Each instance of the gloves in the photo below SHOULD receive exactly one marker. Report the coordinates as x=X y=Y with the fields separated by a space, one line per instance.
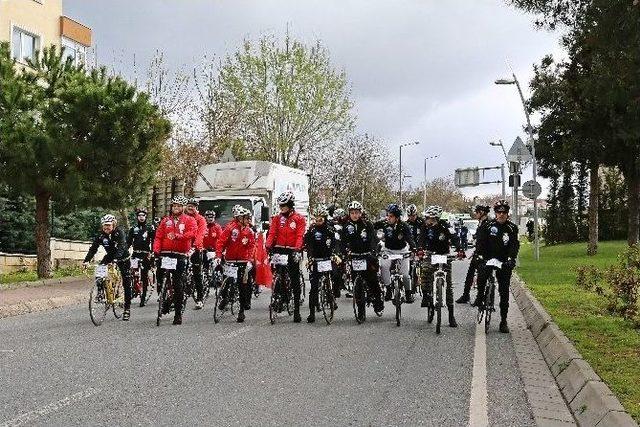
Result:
x=249 y=266
x=337 y=260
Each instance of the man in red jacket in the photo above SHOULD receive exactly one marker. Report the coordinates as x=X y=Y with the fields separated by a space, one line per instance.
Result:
x=174 y=240
x=196 y=257
x=237 y=244
x=214 y=231
x=286 y=235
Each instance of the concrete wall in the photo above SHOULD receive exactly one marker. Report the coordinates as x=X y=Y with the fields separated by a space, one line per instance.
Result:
x=10 y=263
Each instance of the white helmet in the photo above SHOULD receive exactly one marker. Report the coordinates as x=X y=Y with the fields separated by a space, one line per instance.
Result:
x=108 y=219
x=321 y=210
x=355 y=206
x=339 y=213
x=412 y=210
x=237 y=211
x=432 y=212
x=286 y=198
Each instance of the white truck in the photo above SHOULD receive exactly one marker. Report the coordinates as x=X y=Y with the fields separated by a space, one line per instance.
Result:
x=252 y=184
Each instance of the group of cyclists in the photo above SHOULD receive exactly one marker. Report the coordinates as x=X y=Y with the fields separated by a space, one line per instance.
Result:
x=186 y=239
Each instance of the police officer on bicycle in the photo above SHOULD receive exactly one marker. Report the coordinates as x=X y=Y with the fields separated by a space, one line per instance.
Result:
x=481 y=213
x=140 y=238
x=500 y=241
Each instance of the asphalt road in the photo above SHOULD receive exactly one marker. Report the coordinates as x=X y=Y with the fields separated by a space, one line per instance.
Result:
x=56 y=368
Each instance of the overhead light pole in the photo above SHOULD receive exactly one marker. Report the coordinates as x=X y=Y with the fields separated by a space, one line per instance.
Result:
x=532 y=145
x=424 y=197
x=500 y=144
x=401 y=147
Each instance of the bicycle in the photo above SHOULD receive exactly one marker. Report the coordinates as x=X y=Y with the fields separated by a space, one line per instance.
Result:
x=189 y=288
x=168 y=266
x=415 y=272
x=138 y=285
x=356 y=269
x=229 y=291
x=213 y=276
x=399 y=296
x=326 y=299
x=106 y=294
x=439 y=283
x=487 y=307
x=282 y=293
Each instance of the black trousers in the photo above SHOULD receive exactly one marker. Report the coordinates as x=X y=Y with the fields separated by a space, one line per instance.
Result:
x=196 y=266
x=145 y=266
x=125 y=270
x=294 y=275
x=503 y=277
x=471 y=271
x=244 y=291
x=373 y=286
x=178 y=278
x=427 y=282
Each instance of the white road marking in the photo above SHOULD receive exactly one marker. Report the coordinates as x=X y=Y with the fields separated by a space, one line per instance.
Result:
x=478 y=415
x=50 y=408
x=6 y=351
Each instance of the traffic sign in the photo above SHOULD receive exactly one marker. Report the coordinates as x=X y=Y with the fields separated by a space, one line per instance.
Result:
x=531 y=189
x=519 y=152
x=469 y=177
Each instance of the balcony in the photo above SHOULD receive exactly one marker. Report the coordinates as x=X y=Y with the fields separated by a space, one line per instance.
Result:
x=75 y=31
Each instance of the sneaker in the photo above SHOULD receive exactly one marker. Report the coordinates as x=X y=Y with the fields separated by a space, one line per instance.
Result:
x=240 y=317
x=464 y=299
x=426 y=301
x=177 y=320
x=388 y=294
x=378 y=306
x=503 y=327
x=296 y=317
x=222 y=305
x=142 y=303
x=409 y=299
x=452 y=320
x=311 y=317
x=126 y=315
x=362 y=316
x=199 y=305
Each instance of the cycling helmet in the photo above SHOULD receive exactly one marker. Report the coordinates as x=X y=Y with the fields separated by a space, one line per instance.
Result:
x=141 y=210
x=412 y=210
x=439 y=210
x=482 y=208
x=179 y=200
x=236 y=211
x=193 y=201
x=431 y=212
x=394 y=210
x=108 y=219
x=321 y=210
x=210 y=214
x=339 y=213
x=286 y=198
x=246 y=212
x=355 y=206
x=501 y=206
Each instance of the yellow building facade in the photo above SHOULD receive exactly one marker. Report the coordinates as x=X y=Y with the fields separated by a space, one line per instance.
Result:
x=31 y=25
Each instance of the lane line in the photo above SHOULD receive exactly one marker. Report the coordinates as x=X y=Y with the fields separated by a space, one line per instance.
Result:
x=478 y=414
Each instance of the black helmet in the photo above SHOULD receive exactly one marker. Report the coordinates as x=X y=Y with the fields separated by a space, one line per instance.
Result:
x=501 y=206
x=210 y=214
x=482 y=208
x=394 y=210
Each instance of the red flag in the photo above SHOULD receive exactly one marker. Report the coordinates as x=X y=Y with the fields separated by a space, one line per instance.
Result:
x=263 y=268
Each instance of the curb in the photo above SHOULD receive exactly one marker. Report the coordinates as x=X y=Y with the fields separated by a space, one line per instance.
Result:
x=41 y=305
x=45 y=282
x=590 y=400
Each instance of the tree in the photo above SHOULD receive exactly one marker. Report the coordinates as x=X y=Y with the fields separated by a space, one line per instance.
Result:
x=75 y=137
x=286 y=99
x=442 y=192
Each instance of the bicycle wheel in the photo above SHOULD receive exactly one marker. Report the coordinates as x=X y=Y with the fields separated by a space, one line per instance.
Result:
x=216 y=314
x=303 y=287
x=439 y=287
x=234 y=297
x=98 y=306
x=397 y=300
x=488 y=304
x=326 y=298
x=163 y=296
x=289 y=292
x=118 y=302
x=357 y=290
x=275 y=300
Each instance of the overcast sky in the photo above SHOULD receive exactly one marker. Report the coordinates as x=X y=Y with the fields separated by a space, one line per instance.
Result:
x=420 y=70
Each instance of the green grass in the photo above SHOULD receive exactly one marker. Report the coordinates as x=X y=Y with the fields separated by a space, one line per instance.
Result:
x=30 y=276
x=610 y=344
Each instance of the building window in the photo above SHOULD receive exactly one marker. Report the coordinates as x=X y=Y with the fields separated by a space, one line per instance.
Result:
x=24 y=45
x=75 y=51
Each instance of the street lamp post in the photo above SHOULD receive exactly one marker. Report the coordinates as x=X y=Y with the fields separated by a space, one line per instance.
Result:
x=533 y=155
x=424 y=197
x=401 y=147
x=499 y=144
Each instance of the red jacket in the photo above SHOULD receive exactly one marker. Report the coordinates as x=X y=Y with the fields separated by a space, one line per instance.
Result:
x=237 y=242
x=184 y=228
x=202 y=230
x=214 y=231
x=286 y=231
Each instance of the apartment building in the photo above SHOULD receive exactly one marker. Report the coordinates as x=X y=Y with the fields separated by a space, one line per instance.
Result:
x=31 y=25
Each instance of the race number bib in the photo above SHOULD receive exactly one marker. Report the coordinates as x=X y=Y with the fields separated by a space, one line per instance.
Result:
x=324 y=266
x=438 y=259
x=169 y=263
x=494 y=263
x=230 y=271
x=211 y=255
x=101 y=271
x=135 y=262
x=280 y=259
x=359 y=264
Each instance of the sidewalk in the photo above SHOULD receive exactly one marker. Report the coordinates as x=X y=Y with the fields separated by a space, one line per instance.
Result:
x=43 y=295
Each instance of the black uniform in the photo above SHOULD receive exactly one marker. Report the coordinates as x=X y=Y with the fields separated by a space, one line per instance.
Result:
x=416 y=230
x=498 y=241
x=320 y=243
x=117 y=250
x=358 y=237
x=436 y=239
x=140 y=239
x=473 y=264
x=396 y=236
x=340 y=270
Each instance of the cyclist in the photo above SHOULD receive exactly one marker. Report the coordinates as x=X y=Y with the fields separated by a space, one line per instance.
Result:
x=481 y=213
x=499 y=240
x=320 y=242
x=196 y=257
x=358 y=236
x=237 y=245
x=436 y=239
x=114 y=242
x=339 y=219
x=414 y=222
x=286 y=234
x=140 y=238
x=173 y=239
x=214 y=231
x=397 y=240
